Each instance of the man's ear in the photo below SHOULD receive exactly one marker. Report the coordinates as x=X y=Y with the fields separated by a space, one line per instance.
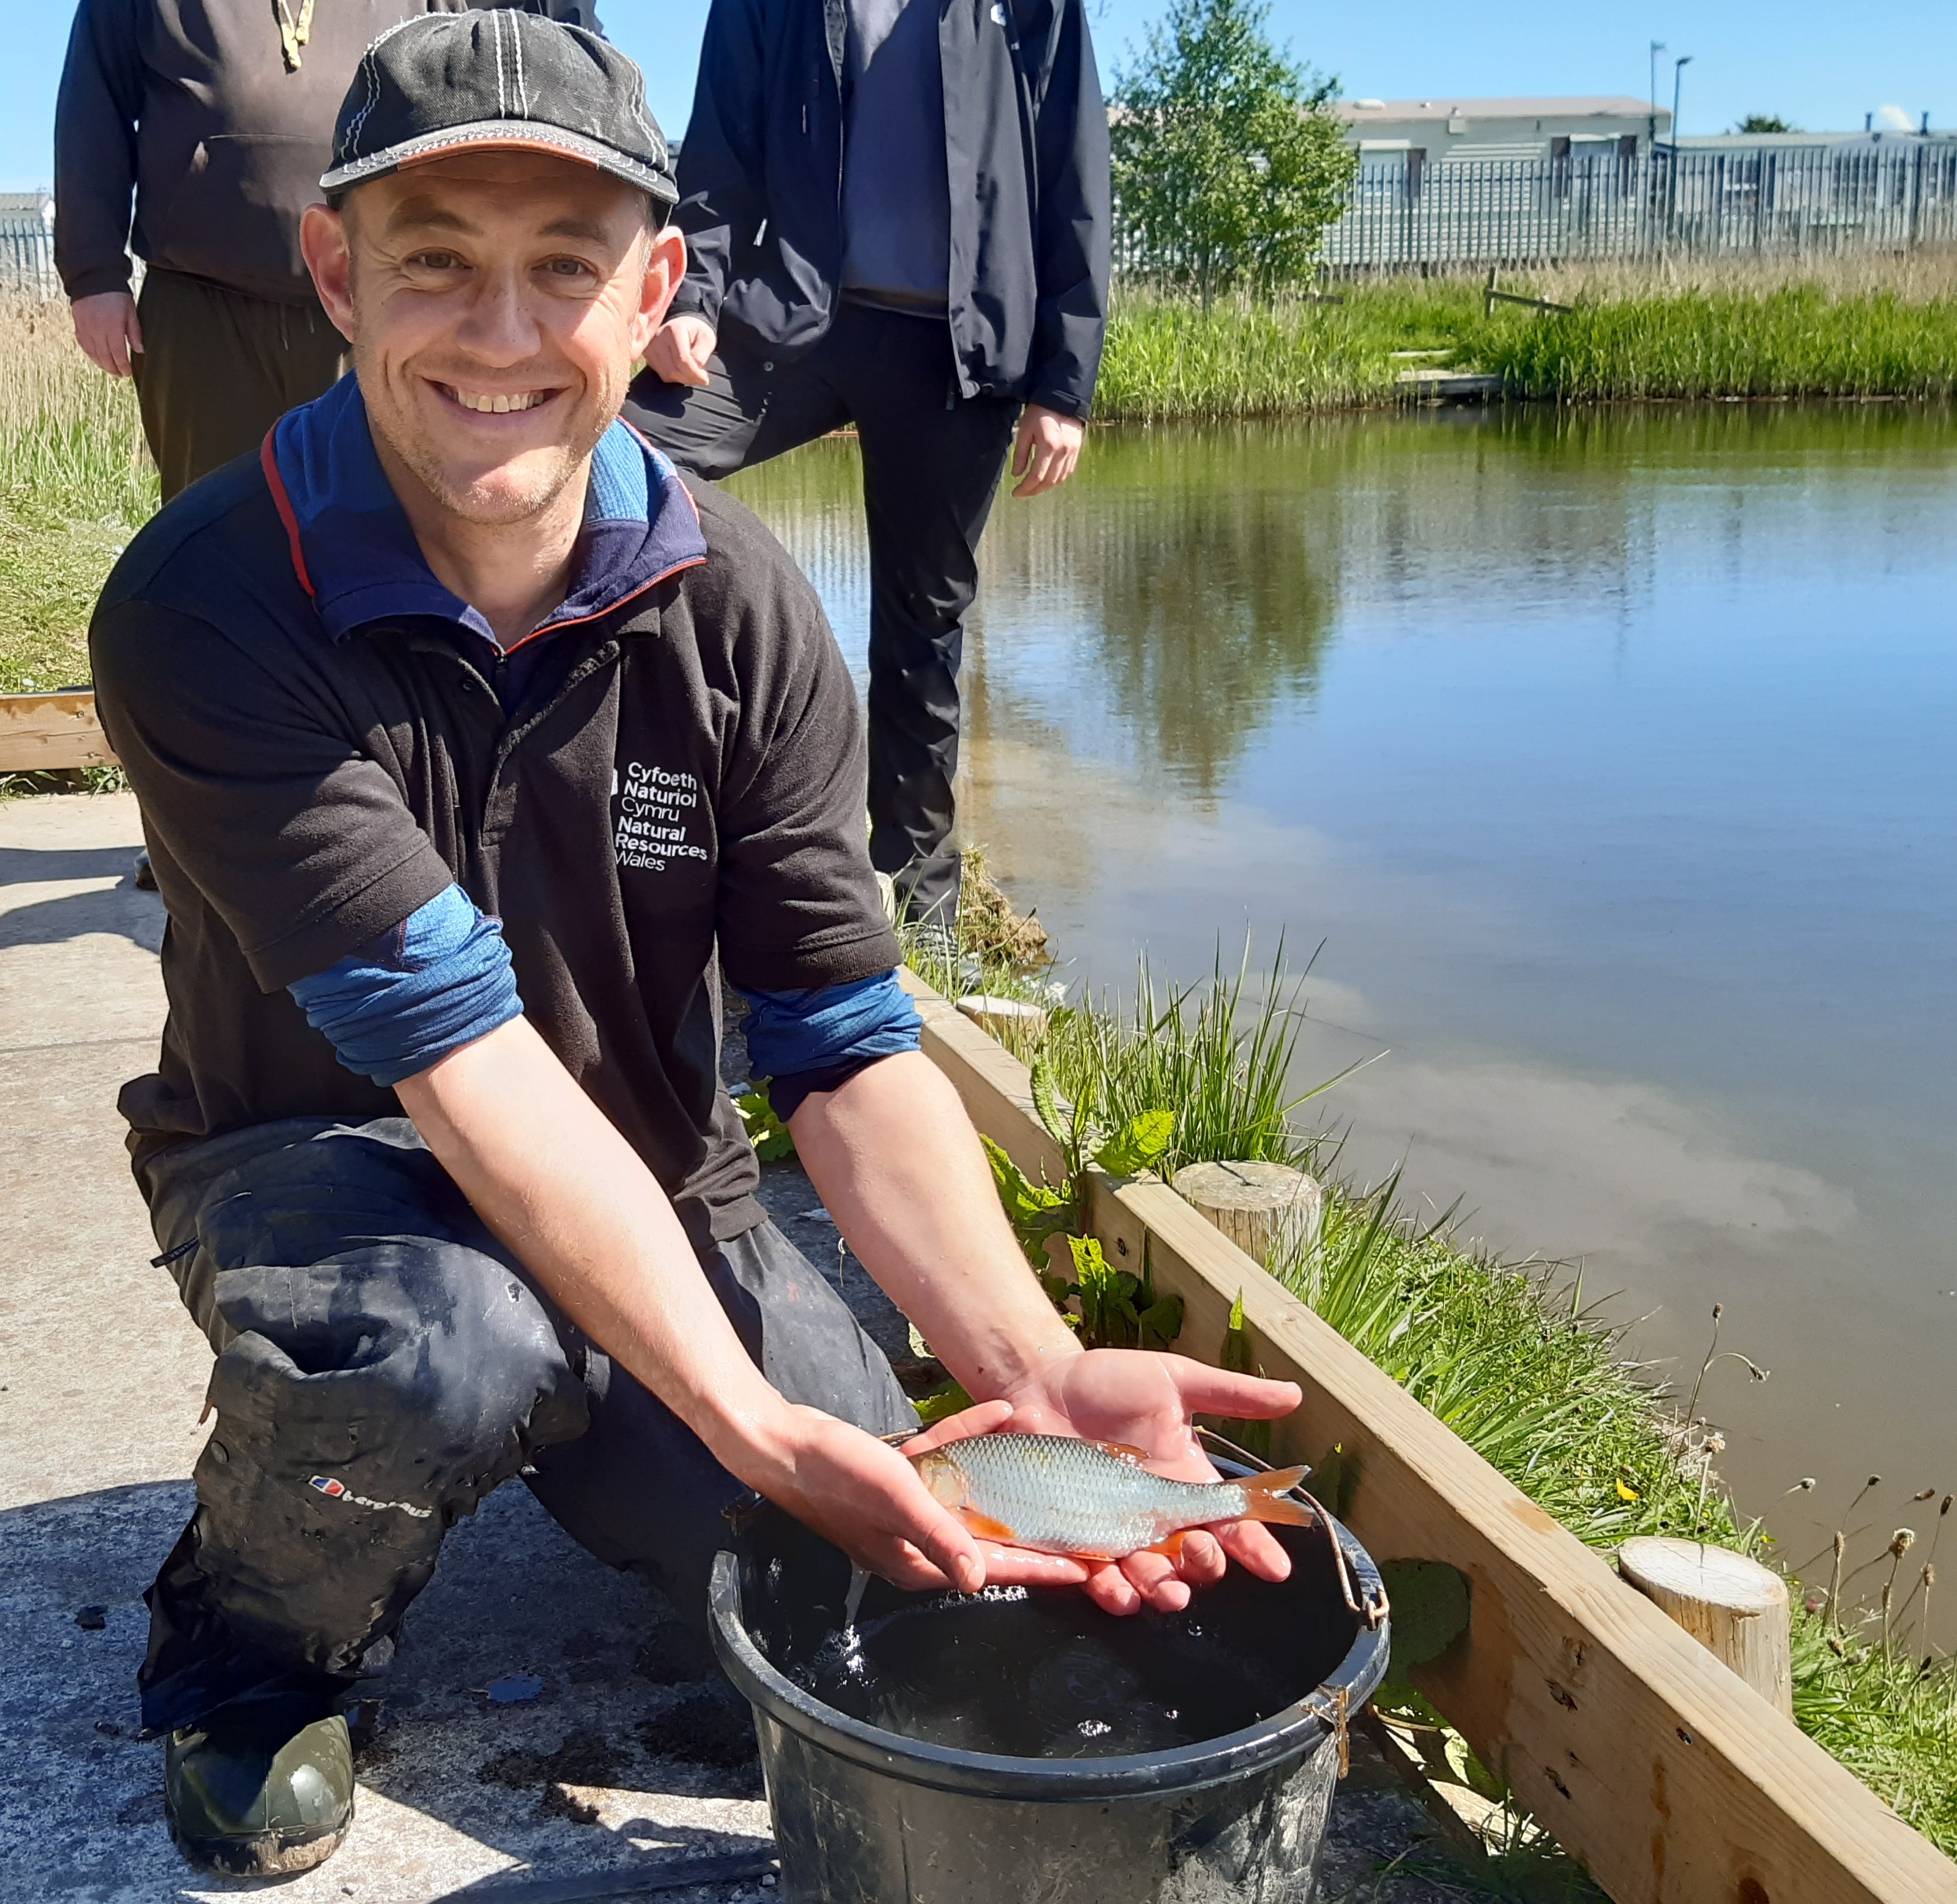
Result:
x=327 y=246
x=666 y=265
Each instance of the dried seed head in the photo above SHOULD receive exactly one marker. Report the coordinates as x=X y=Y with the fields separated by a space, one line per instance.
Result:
x=1946 y=1508
x=1927 y=1493
x=1841 y=1544
x=1904 y=1539
x=1806 y=1484
x=1929 y=1572
x=1715 y=1444
x=1873 y=1481
x=1718 y=1310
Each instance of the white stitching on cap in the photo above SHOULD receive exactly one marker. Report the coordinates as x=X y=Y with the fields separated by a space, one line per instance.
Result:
x=517 y=50
x=370 y=69
x=502 y=92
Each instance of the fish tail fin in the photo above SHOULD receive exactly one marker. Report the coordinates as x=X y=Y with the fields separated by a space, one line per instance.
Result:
x=1265 y=1497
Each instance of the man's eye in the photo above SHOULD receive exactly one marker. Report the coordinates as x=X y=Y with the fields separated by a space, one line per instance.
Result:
x=436 y=261
x=572 y=267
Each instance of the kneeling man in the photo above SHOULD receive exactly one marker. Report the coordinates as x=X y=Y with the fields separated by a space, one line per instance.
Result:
x=472 y=748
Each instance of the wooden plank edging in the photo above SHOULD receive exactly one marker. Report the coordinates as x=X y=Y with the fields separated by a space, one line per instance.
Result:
x=41 y=732
x=1670 y=1778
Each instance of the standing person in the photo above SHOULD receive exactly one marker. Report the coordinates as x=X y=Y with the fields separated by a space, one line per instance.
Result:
x=896 y=216
x=216 y=116
x=472 y=747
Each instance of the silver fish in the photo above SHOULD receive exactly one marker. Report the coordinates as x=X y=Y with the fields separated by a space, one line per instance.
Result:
x=1091 y=1500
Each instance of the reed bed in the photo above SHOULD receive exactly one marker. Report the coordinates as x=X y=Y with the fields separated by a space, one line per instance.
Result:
x=1859 y=328
x=75 y=483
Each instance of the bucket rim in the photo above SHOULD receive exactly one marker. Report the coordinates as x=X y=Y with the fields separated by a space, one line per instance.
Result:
x=1297 y=1729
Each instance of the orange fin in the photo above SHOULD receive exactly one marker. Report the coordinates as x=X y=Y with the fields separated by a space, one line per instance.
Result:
x=1172 y=1546
x=1267 y=1502
x=984 y=1526
x=1126 y=1451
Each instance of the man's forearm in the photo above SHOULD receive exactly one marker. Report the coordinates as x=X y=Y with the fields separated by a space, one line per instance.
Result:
x=896 y=1161
x=549 y=1174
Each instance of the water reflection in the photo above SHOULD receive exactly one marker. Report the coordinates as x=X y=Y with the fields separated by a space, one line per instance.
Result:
x=1609 y=753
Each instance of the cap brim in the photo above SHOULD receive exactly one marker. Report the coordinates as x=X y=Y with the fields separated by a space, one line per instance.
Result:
x=504 y=135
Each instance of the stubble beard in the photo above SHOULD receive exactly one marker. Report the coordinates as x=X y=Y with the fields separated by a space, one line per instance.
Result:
x=500 y=498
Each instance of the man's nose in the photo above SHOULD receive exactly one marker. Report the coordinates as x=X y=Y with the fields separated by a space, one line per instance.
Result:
x=499 y=327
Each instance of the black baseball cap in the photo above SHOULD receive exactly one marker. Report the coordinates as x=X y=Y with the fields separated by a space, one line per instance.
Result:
x=499 y=80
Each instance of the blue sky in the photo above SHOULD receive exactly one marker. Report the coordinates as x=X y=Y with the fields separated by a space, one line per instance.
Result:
x=1822 y=66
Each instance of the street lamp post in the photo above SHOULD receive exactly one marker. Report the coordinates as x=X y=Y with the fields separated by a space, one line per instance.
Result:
x=1677 y=74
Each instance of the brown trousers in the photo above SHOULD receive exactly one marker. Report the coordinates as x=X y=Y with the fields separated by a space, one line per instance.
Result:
x=218 y=368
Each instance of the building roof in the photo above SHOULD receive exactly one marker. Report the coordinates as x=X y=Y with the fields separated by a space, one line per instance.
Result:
x=1604 y=107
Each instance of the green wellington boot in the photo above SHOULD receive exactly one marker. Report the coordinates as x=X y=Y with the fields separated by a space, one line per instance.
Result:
x=262 y=1788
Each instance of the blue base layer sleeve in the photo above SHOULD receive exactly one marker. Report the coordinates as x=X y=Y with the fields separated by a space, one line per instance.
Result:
x=815 y=1040
x=439 y=980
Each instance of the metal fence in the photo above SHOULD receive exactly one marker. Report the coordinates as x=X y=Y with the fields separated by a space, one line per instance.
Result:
x=1787 y=200
x=1621 y=203
x=26 y=245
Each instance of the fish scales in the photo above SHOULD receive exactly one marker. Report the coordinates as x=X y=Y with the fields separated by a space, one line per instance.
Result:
x=1062 y=1495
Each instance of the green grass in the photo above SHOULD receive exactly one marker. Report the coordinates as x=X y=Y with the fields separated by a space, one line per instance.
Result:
x=1510 y=1358
x=1869 y=328
x=75 y=484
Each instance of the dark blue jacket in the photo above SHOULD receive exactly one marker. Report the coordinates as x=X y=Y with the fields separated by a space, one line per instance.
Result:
x=1025 y=141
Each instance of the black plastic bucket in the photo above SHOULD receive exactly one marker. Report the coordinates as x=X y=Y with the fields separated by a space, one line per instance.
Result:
x=864 y=1814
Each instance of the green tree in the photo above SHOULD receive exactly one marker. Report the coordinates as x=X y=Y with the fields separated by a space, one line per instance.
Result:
x=1765 y=123
x=1228 y=163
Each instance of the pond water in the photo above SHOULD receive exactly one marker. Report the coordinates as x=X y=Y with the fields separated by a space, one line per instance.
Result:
x=1610 y=758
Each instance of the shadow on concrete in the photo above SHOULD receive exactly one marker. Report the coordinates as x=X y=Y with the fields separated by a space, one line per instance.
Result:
x=441 y=1808
x=119 y=909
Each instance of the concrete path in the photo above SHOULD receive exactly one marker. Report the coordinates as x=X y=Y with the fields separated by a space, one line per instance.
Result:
x=613 y=1778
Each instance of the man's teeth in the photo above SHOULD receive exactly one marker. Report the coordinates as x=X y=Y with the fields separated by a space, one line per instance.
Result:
x=499 y=403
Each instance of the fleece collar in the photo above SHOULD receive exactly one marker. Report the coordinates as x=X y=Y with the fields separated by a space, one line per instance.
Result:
x=357 y=558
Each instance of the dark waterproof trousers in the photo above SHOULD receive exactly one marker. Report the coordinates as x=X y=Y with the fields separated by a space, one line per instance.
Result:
x=931 y=465
x=382 y=1364
x=218 y=368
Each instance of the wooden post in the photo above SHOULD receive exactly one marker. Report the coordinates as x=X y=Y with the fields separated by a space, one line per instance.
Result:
x=1266 y=1210
x=1002 y=1015
x=1736 y=1608
x=41 y=732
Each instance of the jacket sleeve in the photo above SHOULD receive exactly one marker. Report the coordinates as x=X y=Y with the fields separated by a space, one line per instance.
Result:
x=95 y=112
x=722 y=159
x=1076 y=212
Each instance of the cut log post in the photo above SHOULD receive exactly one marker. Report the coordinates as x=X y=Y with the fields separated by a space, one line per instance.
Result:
x=1001 y=1015
x=1269 y=1210
x=41 y=733
x=1734 y=1607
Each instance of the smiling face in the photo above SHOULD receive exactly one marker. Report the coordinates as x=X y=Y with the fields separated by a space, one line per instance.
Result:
x=495 y=302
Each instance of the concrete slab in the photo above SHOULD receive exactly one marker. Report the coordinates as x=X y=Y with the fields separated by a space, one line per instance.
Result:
x=617 y=1779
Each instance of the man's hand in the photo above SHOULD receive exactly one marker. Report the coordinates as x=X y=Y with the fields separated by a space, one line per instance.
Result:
x=678 y=352
x=1146 y=1400
x=106 y=327
x=1048 y=447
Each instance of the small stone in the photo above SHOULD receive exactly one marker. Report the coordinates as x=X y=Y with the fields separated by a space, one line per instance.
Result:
x=92 y=1619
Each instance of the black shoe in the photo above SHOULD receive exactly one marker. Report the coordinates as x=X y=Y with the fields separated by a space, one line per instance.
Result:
x=262 y=1788
x=143 y=875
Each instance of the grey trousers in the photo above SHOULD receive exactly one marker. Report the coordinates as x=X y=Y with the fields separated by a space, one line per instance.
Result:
x=382 y=1364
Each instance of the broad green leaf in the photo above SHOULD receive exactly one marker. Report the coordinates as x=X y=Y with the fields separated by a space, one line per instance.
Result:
x=1139 y=1145
x=950 y=1399
x=1046 y=1102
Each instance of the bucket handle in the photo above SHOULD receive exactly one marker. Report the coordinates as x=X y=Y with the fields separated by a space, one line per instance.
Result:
x=1372 y=1608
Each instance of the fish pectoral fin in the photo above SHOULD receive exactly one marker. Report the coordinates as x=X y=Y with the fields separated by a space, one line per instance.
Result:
x=1122 y=1451
x=1170 y=1545
x=984 y=1526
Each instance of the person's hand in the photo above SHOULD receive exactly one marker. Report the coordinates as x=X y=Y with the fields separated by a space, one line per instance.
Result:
x=678 y=352
x=1146 y=1400
x=106 y=327
x=1048 y=447
x=861 y=1495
